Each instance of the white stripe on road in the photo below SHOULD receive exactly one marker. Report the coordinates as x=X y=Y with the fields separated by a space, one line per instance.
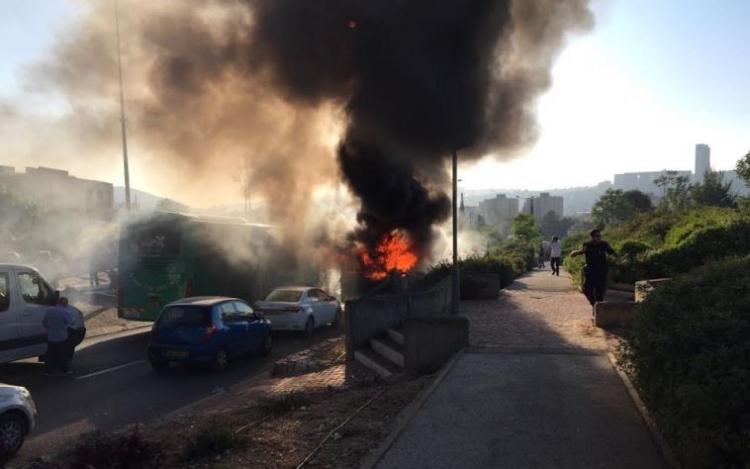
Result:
x=114 y=368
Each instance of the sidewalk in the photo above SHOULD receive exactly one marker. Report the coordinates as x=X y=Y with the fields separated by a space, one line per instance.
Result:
x=535 y=390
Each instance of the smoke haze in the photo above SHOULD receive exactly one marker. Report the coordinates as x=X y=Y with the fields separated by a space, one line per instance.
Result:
x=307 y=92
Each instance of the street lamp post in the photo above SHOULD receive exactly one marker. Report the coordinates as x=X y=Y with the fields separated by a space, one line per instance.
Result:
x=122 y=112
x=455 y=285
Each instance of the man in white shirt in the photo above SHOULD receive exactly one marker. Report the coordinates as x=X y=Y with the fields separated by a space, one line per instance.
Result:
x=555 y=252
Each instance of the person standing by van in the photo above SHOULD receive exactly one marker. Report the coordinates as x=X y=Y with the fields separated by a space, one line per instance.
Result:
x=56 y=321
x=555 y=252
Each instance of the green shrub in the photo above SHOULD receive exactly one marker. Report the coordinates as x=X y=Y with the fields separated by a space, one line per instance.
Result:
x=650 y=228
x=689 y=356
x=698 y=220
x=285 y=402
x=699 y=247
x=518 y=249
x=116 y=451
x=211 y=440
x=505 y=268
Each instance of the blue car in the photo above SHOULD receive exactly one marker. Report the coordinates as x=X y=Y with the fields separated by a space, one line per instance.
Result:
x=207 y=329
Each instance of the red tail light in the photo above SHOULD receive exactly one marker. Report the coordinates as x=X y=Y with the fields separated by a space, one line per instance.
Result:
x=209 y=334
x=189 y=289
x=292 y=309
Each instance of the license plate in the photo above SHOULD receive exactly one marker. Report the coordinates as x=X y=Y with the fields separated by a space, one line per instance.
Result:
x=177 y=353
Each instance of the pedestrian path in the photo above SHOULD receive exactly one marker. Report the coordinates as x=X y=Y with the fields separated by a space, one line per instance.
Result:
x=535 y=390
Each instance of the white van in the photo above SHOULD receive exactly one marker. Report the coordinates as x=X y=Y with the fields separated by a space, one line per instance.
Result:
x=24 y=298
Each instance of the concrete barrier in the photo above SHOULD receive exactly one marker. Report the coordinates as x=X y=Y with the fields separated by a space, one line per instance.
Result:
x=370 y=317
x=430 y=342
x=618 y=314
x=644 y=287
x=480 y=286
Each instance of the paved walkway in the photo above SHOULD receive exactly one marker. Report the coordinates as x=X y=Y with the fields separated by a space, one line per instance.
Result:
x=535 y=390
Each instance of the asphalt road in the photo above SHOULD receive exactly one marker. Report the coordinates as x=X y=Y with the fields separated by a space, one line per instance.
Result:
x=114 y=385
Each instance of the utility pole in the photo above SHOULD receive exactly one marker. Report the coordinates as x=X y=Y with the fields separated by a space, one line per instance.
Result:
x=243 y=178
x=122 y=111
x=454 y=273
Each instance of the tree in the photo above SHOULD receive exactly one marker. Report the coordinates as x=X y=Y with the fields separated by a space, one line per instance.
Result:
x=713 y=191
x=553 y=225
x=640 y=201
x=675 y=191
x=743 y=168
x=616 y=206
x=525 y=227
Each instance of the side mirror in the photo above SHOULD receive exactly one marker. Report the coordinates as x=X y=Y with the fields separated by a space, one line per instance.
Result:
x=258 y=315
x=55 y=297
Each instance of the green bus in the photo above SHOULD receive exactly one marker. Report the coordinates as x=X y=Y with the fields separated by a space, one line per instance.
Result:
x=167 y=256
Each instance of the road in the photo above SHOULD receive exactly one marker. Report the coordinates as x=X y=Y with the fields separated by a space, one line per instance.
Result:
x=114 y=385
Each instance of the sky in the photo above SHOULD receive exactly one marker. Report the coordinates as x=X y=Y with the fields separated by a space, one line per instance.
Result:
x=653 y=79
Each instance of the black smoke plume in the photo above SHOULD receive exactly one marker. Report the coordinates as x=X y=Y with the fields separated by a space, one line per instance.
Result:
x=418 y=79
x=210 y=83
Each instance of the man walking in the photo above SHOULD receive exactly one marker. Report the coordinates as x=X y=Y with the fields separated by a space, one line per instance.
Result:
x=555 y=252
x=56 y=321
x=595 y=270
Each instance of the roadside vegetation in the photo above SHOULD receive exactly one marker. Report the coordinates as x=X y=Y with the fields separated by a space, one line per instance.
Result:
x=506 y=256
x=688 y=352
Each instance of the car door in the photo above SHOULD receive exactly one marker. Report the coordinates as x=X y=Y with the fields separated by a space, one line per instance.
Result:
x=36 y=297
x=10 y=327
x=236 y=328
x=327 y=305
x=315 y=306
x=256 y=330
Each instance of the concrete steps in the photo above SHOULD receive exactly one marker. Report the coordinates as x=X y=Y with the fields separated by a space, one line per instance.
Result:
x=385 y=356
x=389 y=350
x=375 y=362
x=396 y=336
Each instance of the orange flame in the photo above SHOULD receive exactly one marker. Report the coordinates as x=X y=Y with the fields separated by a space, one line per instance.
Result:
x=393 y=253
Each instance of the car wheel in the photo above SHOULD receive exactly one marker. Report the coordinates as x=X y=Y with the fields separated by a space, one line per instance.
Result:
x=337 y=319
x=309 y=326
x=12 y=433
x=159 y=365
x=267 y=346
x=221 y=359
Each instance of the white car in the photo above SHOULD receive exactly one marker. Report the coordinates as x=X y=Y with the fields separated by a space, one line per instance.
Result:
x=300 y=309
x=17 y=412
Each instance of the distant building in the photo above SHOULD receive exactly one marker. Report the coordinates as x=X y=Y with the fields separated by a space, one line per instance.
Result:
x=57 y=190
x=542 y=205
x=738 y=184
x=499 y=210
x=643 y=181
x=702 y=161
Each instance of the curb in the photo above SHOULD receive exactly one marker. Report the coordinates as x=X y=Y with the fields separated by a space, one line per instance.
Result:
x=407 y=415
x=656 y=435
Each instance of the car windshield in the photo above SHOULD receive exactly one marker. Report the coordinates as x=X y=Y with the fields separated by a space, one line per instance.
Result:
x=286 y=296
x=184 y=316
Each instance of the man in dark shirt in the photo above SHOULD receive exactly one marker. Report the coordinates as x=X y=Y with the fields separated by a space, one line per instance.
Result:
x=595 y=271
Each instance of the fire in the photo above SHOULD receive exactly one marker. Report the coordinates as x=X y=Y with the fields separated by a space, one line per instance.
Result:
x=393 y=253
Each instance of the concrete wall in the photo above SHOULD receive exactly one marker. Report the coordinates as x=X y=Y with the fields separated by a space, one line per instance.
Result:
x=644 y=287
x=618 y=314
x=430 y=342
x=369 y=317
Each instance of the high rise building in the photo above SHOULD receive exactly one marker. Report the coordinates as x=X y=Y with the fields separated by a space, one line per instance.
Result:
x=501 y=209
x=702 y=161
x=542 y=205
